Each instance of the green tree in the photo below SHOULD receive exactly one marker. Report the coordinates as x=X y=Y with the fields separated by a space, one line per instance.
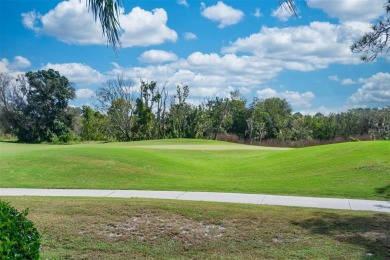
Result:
x=219 y=111
x=381 y=124
x=276 y=114
x=36 y=106
x=92 y=124
x=300 y=129
x=115 y=98
x=179 y=112
x=147 y=127
x=239 y=113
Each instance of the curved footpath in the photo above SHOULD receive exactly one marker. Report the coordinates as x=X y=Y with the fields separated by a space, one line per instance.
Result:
x=261 y=199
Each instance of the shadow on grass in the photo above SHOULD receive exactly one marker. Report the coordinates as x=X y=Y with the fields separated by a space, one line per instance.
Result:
x=369 y=232
x=10 y=141
x=384 y=191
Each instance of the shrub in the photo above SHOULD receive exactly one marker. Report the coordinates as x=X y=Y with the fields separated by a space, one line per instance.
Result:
x=66 y=138
x=19 y=239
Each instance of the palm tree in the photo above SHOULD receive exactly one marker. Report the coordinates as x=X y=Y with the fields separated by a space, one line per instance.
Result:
x=107 y=11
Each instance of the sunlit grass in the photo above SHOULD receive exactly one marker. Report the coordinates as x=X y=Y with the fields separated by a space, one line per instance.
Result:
x=353 y=170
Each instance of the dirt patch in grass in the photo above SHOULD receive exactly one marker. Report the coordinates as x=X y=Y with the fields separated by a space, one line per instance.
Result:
x=152 y=226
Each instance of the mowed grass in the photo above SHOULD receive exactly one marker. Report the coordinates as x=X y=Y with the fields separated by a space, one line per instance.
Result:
x=350 y=170
x=87 y=228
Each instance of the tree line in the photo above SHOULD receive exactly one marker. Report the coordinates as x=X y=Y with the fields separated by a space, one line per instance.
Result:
x=34 y=108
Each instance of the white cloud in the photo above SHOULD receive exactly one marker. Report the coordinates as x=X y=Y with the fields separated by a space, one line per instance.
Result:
x=212 y=72
x=342 y=81
x=257 y=13
x=157 y=56
x=84 y=93
x=14 y=67
x=304 y=47
x=322 y=109
x=144 y=28
x=281 y=13
x=4 y=65
x=78 y=73
x=190 y=36
x=375 y=91
x=351 y=10
x=30 y=20
x=70 y=22
x=347 y=82
x=223 y=14
x=296 y=99
x=183 y=2
x=334 y=78
x=20 y=63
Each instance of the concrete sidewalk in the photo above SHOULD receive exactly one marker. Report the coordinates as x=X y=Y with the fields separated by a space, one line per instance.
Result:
x=261 y=199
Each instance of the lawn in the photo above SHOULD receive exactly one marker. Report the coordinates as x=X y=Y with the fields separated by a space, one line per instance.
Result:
x=348 y=170
x=87 y=228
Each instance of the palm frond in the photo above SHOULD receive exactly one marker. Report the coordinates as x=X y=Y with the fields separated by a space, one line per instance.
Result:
x=290 y=6
x=107 y=11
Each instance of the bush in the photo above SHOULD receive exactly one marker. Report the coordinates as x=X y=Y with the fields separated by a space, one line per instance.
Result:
x=19 y=239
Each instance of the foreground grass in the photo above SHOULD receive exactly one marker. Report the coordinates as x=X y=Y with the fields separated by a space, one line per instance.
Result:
x=353 y=170
x=132 y=229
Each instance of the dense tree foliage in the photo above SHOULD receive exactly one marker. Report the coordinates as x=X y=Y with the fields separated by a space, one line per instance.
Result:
x=259 y=121
x=35 y=109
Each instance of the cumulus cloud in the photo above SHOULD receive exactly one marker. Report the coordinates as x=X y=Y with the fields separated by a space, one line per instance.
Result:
x=351 y=10
x=223 y=14
x=19 y=63
x=281 y=13
x=304 y=47
x=296 y=99
x=84 y=93
x=144 y=28
x=78 y=73
x=218 y=74
x=157 y=56
x=375 y=91
x=190 y=36
x=70 y=22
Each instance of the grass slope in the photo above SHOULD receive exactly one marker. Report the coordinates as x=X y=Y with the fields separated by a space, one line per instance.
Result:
x=353 y=170
x=87 y=228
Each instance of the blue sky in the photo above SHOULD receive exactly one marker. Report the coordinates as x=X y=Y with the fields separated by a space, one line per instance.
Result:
x=214 y=47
